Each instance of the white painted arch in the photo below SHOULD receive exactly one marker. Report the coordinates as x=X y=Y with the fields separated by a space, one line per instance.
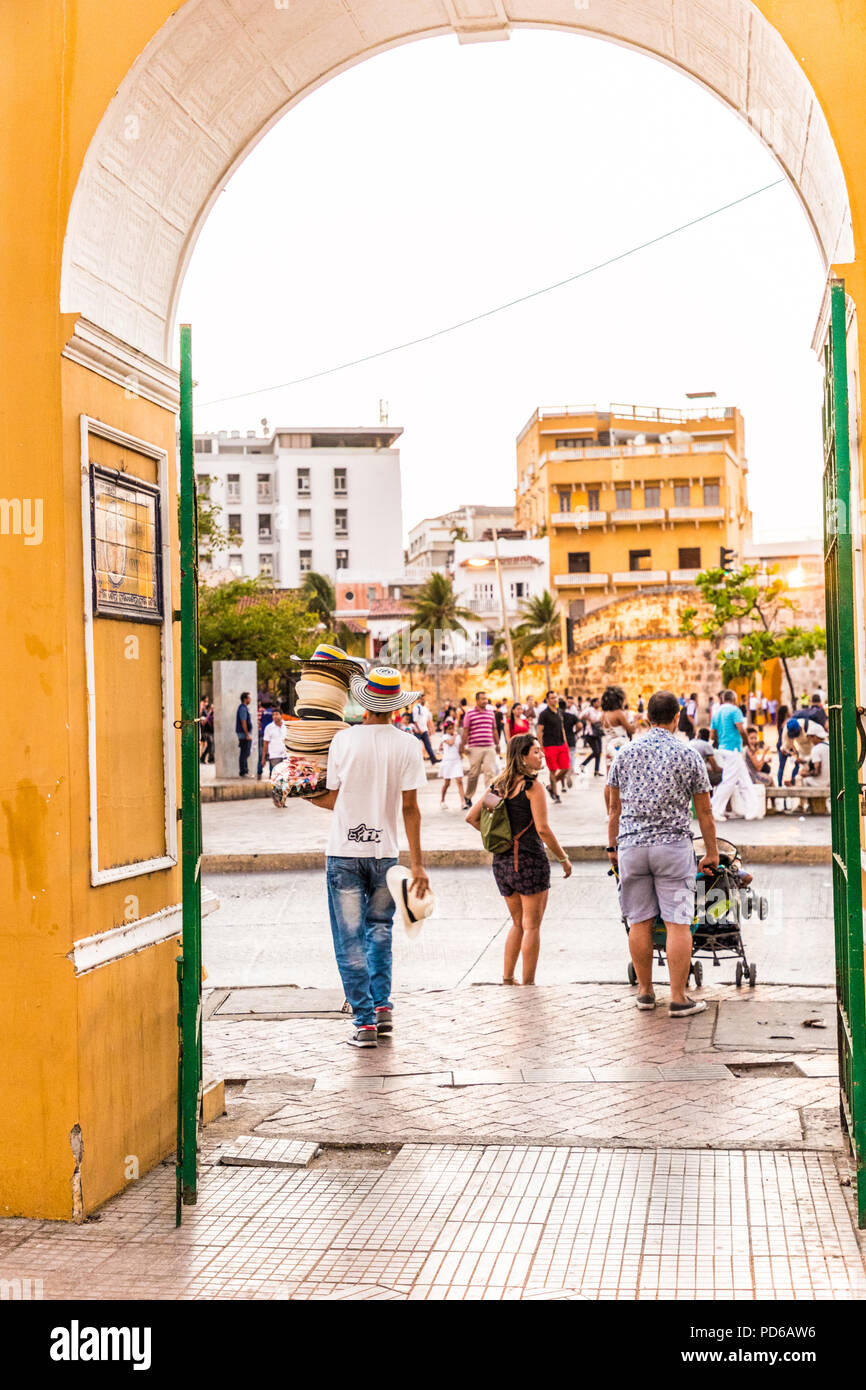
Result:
x=220 y=73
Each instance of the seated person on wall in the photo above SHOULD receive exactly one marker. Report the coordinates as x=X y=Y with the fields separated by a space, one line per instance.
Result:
x=817 y=765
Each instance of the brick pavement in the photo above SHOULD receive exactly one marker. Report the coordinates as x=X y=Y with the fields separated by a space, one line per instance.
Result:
x=564 y=1064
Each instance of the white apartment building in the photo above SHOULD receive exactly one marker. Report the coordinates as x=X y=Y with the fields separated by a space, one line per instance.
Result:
x=325 y=499
x=525 y=574
x=431 y=542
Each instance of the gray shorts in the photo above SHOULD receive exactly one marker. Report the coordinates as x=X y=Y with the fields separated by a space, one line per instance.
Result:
x=658 y=881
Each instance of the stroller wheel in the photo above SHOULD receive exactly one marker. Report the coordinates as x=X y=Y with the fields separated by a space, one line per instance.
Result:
x=739 y=974
x=747 y=903
x=632 y=975
x=753 y=975
x=698 y=972
x=763 y=908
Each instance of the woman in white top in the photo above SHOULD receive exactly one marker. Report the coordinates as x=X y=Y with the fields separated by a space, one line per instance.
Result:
x=451 y=762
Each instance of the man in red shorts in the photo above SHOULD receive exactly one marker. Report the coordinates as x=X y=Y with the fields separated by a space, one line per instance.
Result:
x=551 y=731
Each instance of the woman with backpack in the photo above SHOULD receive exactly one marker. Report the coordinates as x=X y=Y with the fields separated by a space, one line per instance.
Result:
x=512 y=819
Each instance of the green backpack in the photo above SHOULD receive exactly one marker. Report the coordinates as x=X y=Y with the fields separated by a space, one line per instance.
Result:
x=496 y=833
x=496 y=827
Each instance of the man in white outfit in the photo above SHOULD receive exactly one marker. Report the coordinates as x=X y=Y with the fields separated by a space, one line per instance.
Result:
x=735 y=778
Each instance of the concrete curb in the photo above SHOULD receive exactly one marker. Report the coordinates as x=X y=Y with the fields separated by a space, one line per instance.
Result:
x=796 y=855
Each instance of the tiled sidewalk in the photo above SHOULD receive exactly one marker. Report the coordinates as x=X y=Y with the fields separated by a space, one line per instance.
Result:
x=496 y=1222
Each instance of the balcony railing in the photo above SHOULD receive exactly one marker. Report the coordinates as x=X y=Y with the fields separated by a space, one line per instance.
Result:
x=580 y=517
x=636 y=577
x=590 y=580
x=684 y=576
x=696 y=513
x=638 y=514
x=640 y=576
x=606 y=451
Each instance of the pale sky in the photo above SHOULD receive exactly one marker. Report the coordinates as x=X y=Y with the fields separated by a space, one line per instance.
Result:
x=438 y=180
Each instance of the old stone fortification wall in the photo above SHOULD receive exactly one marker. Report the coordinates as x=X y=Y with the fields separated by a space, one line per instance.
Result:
x=634 y=642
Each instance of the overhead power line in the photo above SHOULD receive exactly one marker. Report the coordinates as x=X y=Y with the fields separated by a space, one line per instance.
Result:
x=499 y=308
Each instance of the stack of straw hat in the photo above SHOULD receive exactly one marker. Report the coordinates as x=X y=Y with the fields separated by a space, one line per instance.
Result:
x=322 y=692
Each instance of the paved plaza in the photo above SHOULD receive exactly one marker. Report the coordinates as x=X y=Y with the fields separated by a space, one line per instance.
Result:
x=504 y=1143
x=241 y=829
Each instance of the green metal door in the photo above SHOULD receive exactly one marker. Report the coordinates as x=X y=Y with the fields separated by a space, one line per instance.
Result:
x=189 y=1065
x=839 y=509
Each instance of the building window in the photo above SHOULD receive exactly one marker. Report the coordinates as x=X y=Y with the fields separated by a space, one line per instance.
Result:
x=571 y=442
x=236 y=564
x=519 y=589
x=623 y=499
x=341 y=483
x=341 y=521
x=711 y=494
x=578 y=562
x=305 y=522
x=264 y=486
x=303 y=482
x=652 y=495
x=266 y=564
x=690 y=557
x=342 y=559
x=682 y=495
x=592 y=499
x=565 y=499
x=264 y=526
x=371 y=593
x=202 y=446
x=202 y=485
x=640 y=559
x=235 y=526
x=305 y=561
x=233 y=487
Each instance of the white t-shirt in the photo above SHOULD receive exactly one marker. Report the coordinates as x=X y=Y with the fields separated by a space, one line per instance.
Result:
x=274 y=739
x=820 y=760
x=371 y=765
x=421 y=716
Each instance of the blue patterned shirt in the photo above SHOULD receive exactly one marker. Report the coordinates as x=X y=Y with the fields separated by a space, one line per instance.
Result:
x=657 y=776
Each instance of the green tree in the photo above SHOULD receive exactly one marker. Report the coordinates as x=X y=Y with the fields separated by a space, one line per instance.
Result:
x=212 y=535
x=239 y=621
x=747 y=596
x=540 y=626
x=436 y=610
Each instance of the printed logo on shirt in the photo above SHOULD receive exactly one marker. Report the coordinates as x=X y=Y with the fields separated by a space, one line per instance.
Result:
x=364 y=835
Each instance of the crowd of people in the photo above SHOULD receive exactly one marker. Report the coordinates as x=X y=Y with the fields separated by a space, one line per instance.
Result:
x=580 y=734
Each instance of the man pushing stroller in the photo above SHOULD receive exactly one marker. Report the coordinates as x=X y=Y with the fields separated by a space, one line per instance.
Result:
x=652 y=781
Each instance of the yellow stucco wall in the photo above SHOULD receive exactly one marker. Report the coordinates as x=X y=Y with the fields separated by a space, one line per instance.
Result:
x=98 y=1051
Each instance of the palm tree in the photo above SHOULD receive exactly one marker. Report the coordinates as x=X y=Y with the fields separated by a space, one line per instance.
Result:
x=540 y=627
x=320 y=596
x=321 y=599
x=435 y=608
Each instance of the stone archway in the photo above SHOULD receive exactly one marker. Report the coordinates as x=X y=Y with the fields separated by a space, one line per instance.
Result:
x=220 y=73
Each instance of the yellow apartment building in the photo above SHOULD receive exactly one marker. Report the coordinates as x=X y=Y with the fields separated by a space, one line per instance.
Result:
x=632 y=497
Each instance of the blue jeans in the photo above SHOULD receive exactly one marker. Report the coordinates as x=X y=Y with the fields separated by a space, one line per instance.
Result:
x=362 y=911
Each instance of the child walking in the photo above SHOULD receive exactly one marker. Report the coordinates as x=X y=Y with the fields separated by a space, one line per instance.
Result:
x=451 y=765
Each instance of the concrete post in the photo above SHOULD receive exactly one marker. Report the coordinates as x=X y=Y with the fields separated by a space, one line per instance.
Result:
x=230 y=678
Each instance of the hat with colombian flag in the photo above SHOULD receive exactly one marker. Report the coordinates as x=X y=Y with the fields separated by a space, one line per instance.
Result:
x=332 y=659
x=380 y=690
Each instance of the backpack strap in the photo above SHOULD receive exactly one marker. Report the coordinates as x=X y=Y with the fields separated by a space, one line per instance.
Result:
x=515 y=841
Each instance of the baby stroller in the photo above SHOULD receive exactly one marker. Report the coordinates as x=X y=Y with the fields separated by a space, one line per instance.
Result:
x=724 y=899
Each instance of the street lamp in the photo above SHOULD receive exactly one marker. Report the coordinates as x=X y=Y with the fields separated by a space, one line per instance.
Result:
x=481 y=562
